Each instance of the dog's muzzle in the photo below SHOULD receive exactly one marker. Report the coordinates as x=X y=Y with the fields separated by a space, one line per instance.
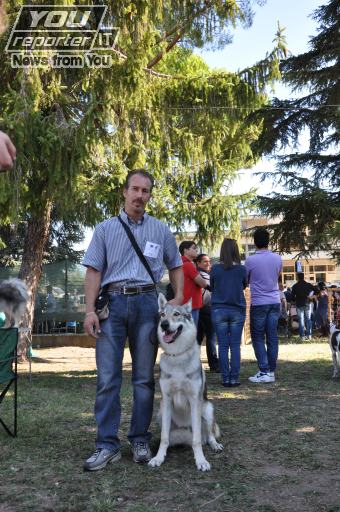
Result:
x=168 y=335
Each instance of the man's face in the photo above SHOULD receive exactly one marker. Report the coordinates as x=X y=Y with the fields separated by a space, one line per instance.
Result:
x=191 y=253
x=205 y=264
x=137 y=195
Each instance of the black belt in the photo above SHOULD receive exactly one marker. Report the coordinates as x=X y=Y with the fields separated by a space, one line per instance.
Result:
x=132 y=290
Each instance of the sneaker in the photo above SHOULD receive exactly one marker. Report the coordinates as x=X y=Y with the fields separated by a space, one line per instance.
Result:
x=272 y=376
x=141 y=452
x=261 y=377
x=100 y=458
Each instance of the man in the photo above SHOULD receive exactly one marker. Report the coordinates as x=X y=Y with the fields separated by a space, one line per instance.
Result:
x=7 y=149
x=193 y=281
x=263 y=271
x=205 y=326
x=302 y=292
x=112 y=260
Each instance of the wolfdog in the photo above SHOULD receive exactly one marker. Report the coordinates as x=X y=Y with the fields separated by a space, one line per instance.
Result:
x=13 y=299
x=186 y=415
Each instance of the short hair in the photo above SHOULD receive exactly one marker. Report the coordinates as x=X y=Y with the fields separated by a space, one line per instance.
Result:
x=261 y=238
x=200 y=257
x=300 y=276
x=229 y=253
x=185 y=245
x=139 y=172
x=322 y=285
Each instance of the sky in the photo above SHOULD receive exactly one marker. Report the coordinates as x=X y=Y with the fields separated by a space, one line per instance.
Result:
x=250 y=45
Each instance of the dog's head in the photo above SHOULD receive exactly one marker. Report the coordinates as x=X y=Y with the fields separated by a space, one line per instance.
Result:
x=176 y=328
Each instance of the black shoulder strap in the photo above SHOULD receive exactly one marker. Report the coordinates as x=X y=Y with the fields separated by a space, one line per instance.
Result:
x=136 y=247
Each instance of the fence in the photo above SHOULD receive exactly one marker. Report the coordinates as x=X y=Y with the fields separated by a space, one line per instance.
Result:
x=60 y=299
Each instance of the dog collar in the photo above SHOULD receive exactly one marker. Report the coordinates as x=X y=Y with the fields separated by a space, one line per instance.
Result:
x=175 y=355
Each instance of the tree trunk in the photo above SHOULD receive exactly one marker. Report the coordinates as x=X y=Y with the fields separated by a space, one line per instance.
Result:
x=31 y=266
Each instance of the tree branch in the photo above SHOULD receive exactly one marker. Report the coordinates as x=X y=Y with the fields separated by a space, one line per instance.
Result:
x=180 y=31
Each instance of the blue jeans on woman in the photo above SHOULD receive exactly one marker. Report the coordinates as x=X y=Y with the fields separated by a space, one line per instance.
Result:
x=228 y=322
x=263 y=329
x=132 y=316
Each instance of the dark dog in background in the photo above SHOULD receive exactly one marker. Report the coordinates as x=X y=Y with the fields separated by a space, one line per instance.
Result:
x=13 y=300
x=334 y=341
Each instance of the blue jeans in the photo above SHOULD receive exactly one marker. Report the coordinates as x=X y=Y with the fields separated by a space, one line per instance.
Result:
x=228 y=323
x=304 y=314
x=195 y=314
x=263 y=329
x=132 y=316
x=206 y=328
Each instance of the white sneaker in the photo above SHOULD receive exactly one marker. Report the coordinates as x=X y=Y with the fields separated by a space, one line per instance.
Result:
x=272 y=376
x=261 y=377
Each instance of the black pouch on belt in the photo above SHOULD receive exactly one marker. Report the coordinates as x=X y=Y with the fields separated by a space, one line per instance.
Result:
x=101 y=305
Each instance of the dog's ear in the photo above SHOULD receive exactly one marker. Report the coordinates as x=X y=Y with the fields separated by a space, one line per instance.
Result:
x=188 y=306
x=161 y=302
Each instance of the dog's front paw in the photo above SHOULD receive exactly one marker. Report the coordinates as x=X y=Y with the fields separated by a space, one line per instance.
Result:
x=217 y=447
x=203 y=465
x=155 y=462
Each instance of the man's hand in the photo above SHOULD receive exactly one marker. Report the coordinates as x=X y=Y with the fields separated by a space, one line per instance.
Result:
x=177 y=300
x=7 y=152
x=91 y=324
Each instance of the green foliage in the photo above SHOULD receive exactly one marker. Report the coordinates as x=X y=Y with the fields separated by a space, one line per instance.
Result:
x=310 y=211
x=78 y=131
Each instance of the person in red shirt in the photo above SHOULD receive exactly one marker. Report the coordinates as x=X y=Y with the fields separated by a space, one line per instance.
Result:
x=193 y=281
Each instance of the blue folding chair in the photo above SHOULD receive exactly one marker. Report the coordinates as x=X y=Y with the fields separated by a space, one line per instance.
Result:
x=9 y=373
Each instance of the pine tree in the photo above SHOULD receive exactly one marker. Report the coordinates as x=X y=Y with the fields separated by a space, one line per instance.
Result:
x=310 y=208
x=78 y=131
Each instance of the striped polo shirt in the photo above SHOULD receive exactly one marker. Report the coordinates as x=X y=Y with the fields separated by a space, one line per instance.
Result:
x=111 y=253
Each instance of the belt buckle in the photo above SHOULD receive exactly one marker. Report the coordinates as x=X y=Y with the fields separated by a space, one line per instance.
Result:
x=126 y=292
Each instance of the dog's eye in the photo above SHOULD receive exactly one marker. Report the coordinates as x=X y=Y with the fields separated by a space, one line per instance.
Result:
x=162 y=314
x=176 y=313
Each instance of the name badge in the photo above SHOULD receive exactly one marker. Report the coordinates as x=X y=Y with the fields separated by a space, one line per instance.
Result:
x=151 y=250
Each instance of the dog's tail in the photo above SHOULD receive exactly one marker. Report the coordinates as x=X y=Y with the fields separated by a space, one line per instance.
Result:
x=216 y=430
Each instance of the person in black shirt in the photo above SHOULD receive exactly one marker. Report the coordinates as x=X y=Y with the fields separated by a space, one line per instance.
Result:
x=302 y=292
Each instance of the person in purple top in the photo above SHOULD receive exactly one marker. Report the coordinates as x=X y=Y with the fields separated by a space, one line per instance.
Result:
x=263 y=271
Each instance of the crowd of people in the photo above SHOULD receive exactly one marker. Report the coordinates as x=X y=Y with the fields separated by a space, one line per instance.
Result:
x=307 y=305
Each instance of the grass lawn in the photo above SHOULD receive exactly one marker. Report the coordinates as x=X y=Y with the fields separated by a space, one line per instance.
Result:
x=281 y=442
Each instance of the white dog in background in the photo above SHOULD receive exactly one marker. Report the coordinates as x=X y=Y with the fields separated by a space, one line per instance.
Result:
x=187 y=417
x=13 y=300
x=334 y=341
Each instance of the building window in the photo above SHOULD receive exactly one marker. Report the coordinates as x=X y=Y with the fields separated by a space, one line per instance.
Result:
x=320 y=277
x=288 y=268
x=320 y=268
x=288 y=277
